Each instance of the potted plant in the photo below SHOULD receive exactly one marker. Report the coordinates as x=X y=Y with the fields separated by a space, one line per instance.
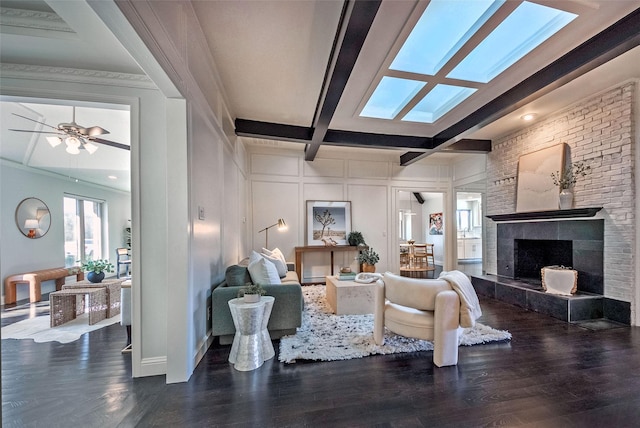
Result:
x=368 y=257
x=96 y=269
x=355 y=238
x=251 y=293
x=567 y=179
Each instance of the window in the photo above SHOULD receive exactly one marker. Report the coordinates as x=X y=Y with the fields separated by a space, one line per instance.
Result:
x=84 y=228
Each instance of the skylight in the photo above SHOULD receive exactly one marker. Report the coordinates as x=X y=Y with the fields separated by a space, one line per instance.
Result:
x=391 y=95
x=437 y=103
x=521 y=32
x=442 y=29
x=432 y=53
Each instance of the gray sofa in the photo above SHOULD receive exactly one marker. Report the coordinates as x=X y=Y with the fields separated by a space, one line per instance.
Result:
x=286 y=314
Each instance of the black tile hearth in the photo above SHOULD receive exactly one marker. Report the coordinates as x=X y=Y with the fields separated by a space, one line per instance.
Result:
x=531 y=296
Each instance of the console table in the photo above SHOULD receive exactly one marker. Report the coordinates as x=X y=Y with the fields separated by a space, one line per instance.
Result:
x=321 y=249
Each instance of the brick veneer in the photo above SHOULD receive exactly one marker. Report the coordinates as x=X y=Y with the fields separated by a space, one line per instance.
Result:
x=599 y=130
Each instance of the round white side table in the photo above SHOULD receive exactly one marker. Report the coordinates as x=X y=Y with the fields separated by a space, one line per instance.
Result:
x=251 y=344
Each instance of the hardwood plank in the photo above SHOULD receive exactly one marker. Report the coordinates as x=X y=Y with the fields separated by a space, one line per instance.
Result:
x=551 y=374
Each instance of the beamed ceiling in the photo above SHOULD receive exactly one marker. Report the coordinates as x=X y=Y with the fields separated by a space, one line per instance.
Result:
x=301 y=72
x=298 y=74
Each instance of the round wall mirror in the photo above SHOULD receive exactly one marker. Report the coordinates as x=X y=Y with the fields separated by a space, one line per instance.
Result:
x=33 y=218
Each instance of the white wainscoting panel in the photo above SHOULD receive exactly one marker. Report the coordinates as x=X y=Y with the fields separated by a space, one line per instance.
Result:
x=322 y=192
x=274 y=165
x=271 y=201
x=421 y=172
x=324 y=168
x=369 y=215
x=368 y=169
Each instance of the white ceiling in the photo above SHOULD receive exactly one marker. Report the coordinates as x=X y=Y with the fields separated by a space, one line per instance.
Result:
x=63 y=34
x=107 y=166
x=272 y=58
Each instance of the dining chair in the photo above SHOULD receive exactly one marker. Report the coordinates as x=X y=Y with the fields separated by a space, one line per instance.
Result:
x=123 y=258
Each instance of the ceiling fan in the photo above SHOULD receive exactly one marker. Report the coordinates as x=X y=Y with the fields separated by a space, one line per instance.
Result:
x=75 y=136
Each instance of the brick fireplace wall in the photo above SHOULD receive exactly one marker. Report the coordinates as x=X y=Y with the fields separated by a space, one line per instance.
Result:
x=600 y=131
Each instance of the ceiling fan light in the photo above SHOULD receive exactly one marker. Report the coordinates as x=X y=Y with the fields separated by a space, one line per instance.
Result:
x=54 y=141
x=72 y=150
x=91 y=148
x=72 y=142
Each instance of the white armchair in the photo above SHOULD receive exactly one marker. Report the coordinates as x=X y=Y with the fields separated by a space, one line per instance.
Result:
x=427 y=309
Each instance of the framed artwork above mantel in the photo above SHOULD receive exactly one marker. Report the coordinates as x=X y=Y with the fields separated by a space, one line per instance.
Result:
x=535 y=189
x=328 y=222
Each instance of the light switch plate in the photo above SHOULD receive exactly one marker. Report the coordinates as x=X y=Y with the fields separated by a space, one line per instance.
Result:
x=200 y=213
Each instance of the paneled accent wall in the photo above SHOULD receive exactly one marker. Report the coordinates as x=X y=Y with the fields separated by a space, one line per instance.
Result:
x=281 y=182
x=601 y=132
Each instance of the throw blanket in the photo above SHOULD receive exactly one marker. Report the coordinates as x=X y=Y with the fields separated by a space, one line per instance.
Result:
x=469 y=305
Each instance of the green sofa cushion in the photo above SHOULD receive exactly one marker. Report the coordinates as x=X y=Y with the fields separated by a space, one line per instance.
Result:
x=237 y=276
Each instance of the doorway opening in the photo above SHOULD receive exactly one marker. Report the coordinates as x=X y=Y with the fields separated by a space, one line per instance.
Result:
x=469 y=229
x=421 y=243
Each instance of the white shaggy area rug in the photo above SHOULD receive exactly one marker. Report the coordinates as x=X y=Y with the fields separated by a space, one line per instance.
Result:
x=324 y=336
x=38 y=329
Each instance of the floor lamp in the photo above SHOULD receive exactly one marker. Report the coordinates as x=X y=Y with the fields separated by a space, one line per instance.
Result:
x=281 y=226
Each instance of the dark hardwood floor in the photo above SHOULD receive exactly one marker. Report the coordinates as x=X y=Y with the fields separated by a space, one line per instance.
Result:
x=551 y=374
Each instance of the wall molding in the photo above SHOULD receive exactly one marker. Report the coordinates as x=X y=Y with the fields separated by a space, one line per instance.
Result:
x=74 y=75
x=25 y=20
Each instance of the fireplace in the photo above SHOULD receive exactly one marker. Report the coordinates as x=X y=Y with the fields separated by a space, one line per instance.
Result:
x=531 y=255
x=525 y=247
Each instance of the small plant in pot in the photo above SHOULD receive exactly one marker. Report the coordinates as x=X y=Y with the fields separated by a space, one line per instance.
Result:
x=368 y=258
x=251 y=293
x=355 y=238
x=96 y=269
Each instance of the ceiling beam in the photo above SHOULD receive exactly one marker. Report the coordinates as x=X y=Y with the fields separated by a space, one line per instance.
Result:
x=363 y=139
x=273 y=131
x=617 y=39
x=301 y=134
x=469 y=145
x=360 y=16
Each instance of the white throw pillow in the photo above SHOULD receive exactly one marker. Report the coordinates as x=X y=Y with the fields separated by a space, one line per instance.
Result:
x=275 y=253
x=262 y=271
x=281 y=267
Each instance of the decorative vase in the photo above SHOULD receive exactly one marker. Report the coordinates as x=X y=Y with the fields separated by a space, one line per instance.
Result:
x=566 y=199
x=251 y=298
x=366 y=267
x=95 y=277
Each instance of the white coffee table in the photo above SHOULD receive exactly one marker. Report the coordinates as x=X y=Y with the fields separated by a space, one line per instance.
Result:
x=350 y=297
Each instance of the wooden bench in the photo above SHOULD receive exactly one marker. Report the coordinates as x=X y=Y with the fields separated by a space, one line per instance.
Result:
x=35 y=278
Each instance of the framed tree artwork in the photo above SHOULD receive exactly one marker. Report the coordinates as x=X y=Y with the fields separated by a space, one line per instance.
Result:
x=328 y=222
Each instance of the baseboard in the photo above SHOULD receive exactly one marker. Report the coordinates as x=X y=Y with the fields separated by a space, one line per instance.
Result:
x=202 y=349
x=154 y=366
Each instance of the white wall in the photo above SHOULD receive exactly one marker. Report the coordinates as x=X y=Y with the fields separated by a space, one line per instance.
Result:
x=19 y=254
x=204 y=171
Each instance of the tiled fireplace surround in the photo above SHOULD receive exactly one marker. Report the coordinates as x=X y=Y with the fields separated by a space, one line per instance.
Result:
x=576 y=243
